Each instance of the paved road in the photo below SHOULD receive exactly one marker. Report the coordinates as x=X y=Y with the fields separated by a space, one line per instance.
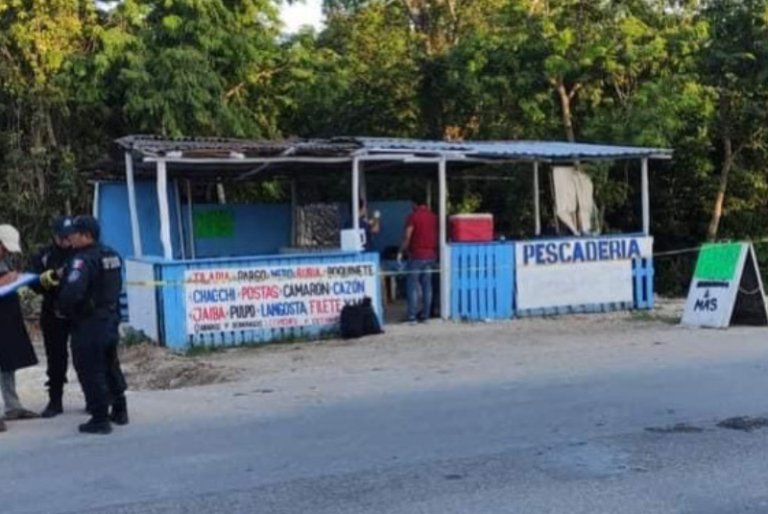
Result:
x=577 y=445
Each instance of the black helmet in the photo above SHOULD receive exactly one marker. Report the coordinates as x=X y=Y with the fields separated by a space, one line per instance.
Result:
x=86 y=225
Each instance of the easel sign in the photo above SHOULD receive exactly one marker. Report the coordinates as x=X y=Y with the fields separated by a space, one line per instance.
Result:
x=727 y=288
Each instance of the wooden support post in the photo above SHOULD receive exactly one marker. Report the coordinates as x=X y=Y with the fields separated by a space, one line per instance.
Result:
x=537 y=197
x=294 y=212
x=165 y=215
x=132 y=208
x=445 y=250
x=356 y=193
x=96 y=200
x=646 y=199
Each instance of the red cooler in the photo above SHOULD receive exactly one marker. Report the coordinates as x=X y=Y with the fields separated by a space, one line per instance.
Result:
x=472 y=228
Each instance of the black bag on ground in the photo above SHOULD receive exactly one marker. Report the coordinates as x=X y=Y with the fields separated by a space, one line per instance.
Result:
x=371 y=325
x=359 y=320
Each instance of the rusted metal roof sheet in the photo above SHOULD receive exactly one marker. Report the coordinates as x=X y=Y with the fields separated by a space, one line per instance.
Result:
x=208 y=148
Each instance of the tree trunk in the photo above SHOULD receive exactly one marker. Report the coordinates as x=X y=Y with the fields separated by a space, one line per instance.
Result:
x=717 y=210
x=565 y=106
x=38 y=150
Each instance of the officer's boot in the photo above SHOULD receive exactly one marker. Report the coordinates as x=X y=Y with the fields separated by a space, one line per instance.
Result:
x=55 y=406
x=98 y=424
x=95 y=426
x=119 y=415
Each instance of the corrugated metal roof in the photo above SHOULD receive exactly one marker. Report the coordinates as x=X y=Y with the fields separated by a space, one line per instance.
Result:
x=204 y=147
x=522 y=150
x=191 y=148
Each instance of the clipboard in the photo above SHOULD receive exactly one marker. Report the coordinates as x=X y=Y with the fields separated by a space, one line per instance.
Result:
x=24 y=280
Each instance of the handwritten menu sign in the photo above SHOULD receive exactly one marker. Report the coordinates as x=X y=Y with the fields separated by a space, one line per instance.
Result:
x=254 y=298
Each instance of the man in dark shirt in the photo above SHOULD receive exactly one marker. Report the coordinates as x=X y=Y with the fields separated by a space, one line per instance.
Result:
x=420 y=241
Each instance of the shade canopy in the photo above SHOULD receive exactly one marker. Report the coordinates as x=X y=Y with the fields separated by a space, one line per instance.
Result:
x=243 y=158
x=223 y=148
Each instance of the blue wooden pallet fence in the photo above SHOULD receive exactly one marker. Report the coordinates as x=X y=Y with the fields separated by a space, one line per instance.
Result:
x=123 y=306
x=642 y=274
x=172 y=301
x=482 y=281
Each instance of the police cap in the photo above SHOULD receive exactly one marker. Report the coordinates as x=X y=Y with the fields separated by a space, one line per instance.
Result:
x=86 y=225
x=62 y=226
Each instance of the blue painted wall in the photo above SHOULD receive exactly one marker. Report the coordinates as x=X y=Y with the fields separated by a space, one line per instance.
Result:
x=393 y=216
x=265 y=228
x=115 y=218
x=259 y=230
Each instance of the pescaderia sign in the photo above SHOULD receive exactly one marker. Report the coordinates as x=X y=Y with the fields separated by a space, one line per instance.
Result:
x=574 y=251
x=257 y=298
x=562 y=273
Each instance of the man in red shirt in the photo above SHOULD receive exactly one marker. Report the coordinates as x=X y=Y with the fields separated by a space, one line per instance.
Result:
x=420 y=241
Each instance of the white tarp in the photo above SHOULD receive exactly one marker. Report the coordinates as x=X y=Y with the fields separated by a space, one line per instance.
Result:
x=574 y=198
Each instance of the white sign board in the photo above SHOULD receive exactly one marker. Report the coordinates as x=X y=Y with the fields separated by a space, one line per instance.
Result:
x=726 y=288
x=257 y=298
x=576 y=272
x=142 y=300
x=710 y=304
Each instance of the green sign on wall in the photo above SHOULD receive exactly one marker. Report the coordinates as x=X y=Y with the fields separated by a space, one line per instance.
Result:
x=214 y=224
x=718 y=262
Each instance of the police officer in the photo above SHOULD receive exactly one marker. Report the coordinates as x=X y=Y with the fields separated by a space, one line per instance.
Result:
x=49 y=263
x=89 y=296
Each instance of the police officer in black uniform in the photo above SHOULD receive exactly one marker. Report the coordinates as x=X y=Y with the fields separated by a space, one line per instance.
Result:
x=90 y=296
x=49 y=263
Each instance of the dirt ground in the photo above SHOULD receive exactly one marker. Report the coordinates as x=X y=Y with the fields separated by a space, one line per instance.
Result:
x=153 y=368
x=436 y=347
x=437 y=344
x=426 y=347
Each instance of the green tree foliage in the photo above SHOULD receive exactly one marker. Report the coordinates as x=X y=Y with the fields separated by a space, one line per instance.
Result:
x=360 y=76
x=195 y=66
x=735 y=66
x=39 y=39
